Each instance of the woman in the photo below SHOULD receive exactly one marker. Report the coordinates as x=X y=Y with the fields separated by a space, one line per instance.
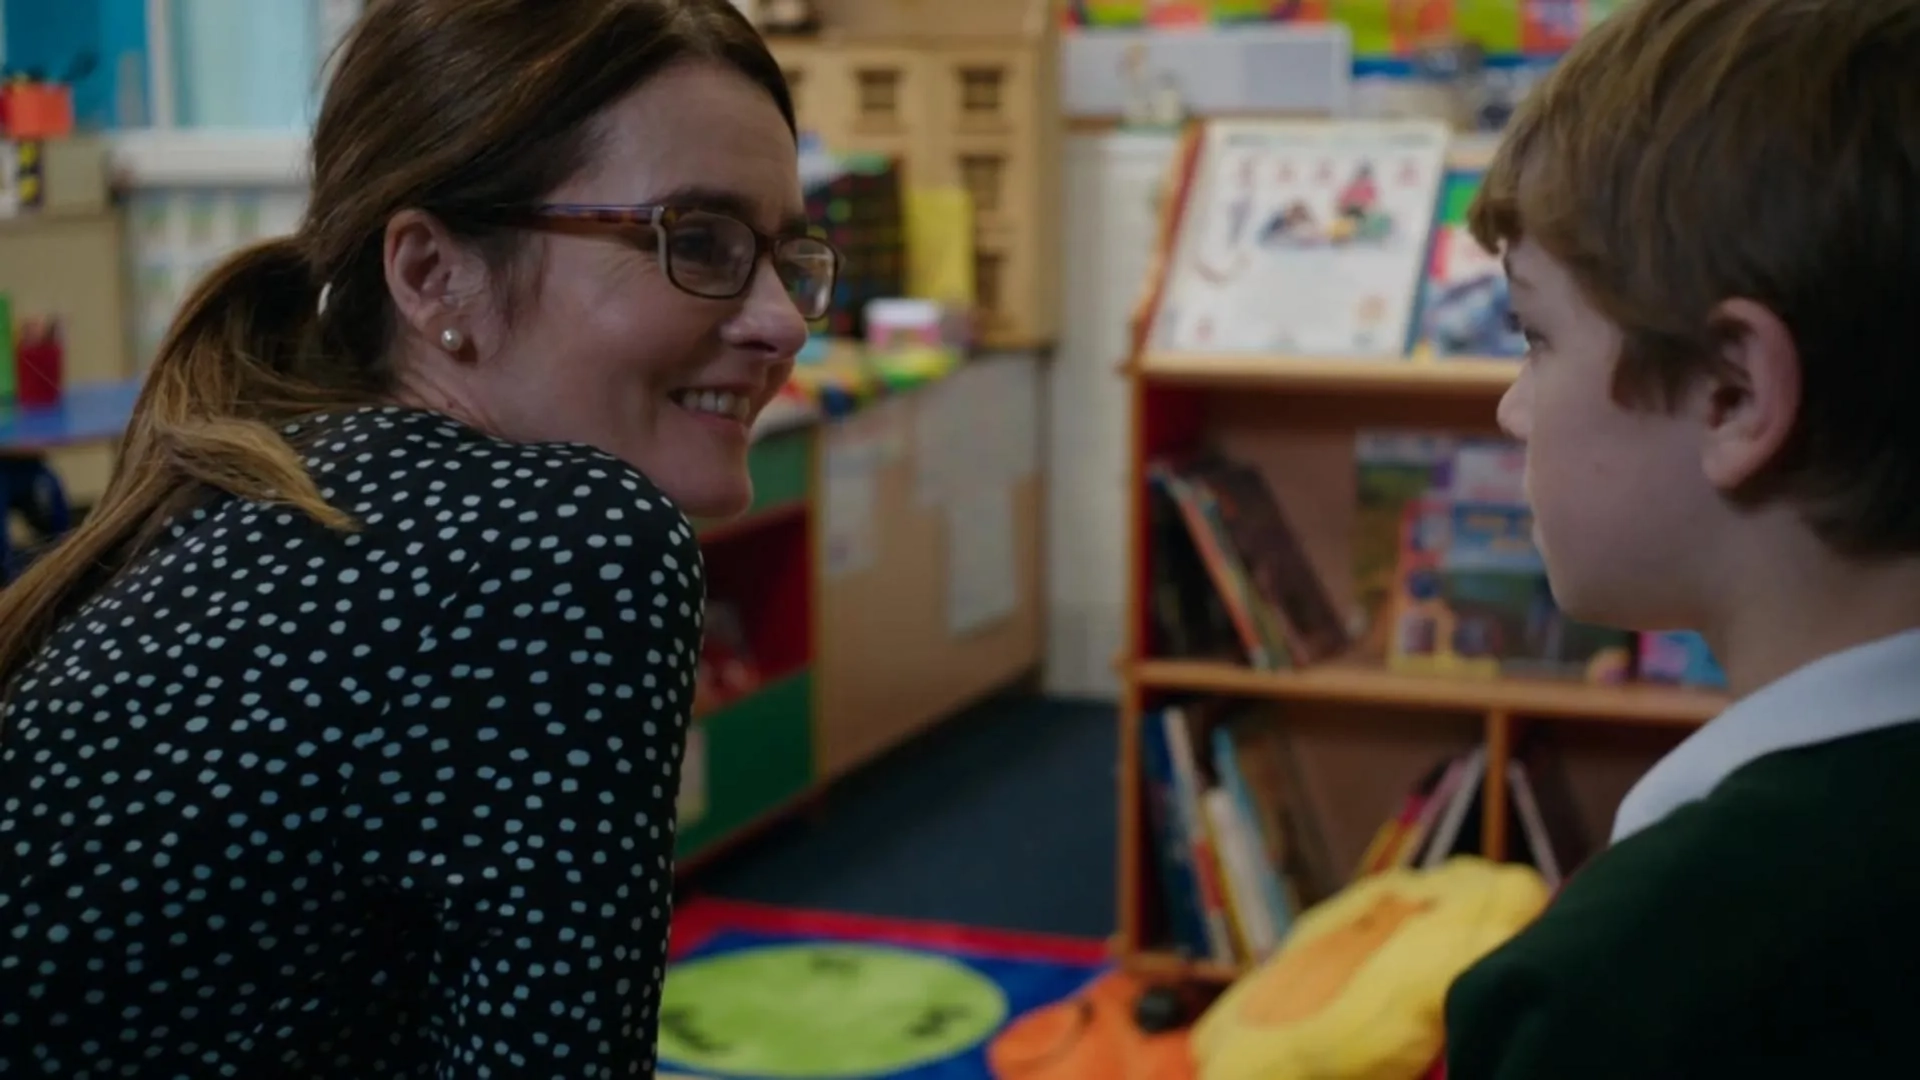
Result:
x=343 y=738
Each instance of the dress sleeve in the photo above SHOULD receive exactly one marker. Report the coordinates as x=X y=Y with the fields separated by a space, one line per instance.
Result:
x=530 y=766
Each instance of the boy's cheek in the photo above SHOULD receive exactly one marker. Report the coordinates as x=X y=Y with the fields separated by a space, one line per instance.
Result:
x=1515 y=412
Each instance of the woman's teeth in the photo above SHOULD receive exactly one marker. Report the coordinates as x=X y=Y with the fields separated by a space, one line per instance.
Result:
x=718 y=402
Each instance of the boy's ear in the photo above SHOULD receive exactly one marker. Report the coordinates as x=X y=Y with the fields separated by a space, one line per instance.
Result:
x=1753 y=393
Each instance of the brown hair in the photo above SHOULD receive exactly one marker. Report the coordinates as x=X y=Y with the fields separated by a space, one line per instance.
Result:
x=455 y=107
x=1686 y=152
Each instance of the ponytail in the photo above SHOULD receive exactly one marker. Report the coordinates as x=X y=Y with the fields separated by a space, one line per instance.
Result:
x=239 y=362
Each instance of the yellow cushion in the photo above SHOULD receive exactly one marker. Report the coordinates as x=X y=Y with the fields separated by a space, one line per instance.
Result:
x=1356 y=991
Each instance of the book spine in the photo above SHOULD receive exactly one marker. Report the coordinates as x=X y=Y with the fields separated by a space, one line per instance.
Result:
x=1171 y=848
x=1206 y=865
x=1269 y=887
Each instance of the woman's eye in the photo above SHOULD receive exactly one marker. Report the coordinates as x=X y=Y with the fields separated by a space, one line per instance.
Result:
x=697 y=244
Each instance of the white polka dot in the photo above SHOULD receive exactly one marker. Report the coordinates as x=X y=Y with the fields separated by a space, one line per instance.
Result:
x=269 y=780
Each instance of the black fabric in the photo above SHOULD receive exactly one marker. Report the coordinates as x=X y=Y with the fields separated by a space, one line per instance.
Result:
x=1766 y=931
x=282 y=801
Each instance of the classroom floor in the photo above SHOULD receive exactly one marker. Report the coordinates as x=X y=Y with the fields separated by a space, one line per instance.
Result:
x=1002 y=817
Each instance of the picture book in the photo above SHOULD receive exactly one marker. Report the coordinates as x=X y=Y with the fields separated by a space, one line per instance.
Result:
x=1464 y=306
x=1472 y=599
x=1301 y=238
x=1393 y=468
x=1276 y=602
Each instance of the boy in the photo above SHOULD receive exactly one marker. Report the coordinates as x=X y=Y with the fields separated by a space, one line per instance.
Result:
x=1710 y=215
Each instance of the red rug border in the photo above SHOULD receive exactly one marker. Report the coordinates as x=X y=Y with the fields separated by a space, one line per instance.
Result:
x=697 y=920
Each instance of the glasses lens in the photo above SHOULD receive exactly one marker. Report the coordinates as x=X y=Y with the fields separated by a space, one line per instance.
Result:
x=808 y=267
x=710 y=254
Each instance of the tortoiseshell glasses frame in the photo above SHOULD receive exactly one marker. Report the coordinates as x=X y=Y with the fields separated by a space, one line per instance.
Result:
x=704 y=253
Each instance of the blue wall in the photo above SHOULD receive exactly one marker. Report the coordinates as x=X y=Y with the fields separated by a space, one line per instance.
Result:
x=49 y=35
x=237 y=63
x=245 y=63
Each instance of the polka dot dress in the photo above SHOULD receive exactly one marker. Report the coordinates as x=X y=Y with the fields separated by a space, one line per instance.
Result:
x=288 y=802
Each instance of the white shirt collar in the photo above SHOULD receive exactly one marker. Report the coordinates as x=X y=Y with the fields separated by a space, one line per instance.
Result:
x=1852 y=692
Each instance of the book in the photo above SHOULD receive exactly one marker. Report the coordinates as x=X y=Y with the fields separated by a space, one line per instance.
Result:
x=1258 y=852
x=1166 y=822
x=1188 y=787
x=1263 y=755
x=1189 y=617
x=1472 y=598
x=1299 y=237
x=1261 y=640
x=1280 y=577
x=1466 y=310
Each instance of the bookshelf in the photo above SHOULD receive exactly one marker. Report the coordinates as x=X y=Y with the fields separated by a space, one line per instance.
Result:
x=1363 y=733
x=820 y=706
x=1361 y=683
x=1464 y=377
x=962 y=96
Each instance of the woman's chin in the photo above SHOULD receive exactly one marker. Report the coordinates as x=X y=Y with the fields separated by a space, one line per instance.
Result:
x=712 y=501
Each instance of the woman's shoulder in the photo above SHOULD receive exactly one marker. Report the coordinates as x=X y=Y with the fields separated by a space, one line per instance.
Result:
x=498 y=535
x=420 y=472
x=441 y=510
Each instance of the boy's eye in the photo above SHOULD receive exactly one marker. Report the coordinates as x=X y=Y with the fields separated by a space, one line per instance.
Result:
x=1532 y=338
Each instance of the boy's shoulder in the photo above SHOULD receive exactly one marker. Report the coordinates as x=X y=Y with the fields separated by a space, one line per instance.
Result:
x=1796 y=827
x=1780 y=896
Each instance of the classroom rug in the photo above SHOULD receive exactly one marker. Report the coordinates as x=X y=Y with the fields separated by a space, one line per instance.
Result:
x=765 y=993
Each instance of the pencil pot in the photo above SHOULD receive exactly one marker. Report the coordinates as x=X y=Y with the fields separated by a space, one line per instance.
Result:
x=39 y=363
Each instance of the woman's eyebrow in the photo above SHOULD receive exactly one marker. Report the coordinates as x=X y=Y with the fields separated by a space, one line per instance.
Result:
x=720 y=200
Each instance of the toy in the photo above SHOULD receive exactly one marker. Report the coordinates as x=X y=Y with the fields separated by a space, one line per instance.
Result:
x=34 y=109
x=902 y=326
x=1356 y=990
x=856 y=201
x=1093 y=1036
x=1681 y=657
x=1160 y=1009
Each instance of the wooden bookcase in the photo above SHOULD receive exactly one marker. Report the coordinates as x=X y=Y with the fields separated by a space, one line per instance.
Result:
x=963 y=96
x=845 y=677
x=1362 y=735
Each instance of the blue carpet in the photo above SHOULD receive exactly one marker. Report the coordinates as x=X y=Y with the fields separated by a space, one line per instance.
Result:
x=1002 y=817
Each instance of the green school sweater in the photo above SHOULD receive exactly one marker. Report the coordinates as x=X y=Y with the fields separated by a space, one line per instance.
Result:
x=1771 y=930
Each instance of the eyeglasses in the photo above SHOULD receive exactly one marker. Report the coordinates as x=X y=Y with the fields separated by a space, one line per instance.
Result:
x=704 y=253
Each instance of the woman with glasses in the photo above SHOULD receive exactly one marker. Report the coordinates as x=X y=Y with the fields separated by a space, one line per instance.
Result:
x=342 y=738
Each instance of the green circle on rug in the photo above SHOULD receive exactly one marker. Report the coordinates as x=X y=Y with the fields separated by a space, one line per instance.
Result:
x=823 y=1011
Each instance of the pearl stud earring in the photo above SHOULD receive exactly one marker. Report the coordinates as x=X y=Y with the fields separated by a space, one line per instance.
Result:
x=452 y=340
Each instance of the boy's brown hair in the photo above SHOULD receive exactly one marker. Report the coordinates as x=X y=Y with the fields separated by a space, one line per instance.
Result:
x=1687 y=152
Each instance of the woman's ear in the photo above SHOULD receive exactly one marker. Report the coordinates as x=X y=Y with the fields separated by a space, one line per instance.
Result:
x=431 y=276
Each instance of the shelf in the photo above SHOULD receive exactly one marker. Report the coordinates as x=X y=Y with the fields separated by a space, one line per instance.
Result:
x=1367 y=685
x=210 y=157
x=1463 y=377
x=1175 y=968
